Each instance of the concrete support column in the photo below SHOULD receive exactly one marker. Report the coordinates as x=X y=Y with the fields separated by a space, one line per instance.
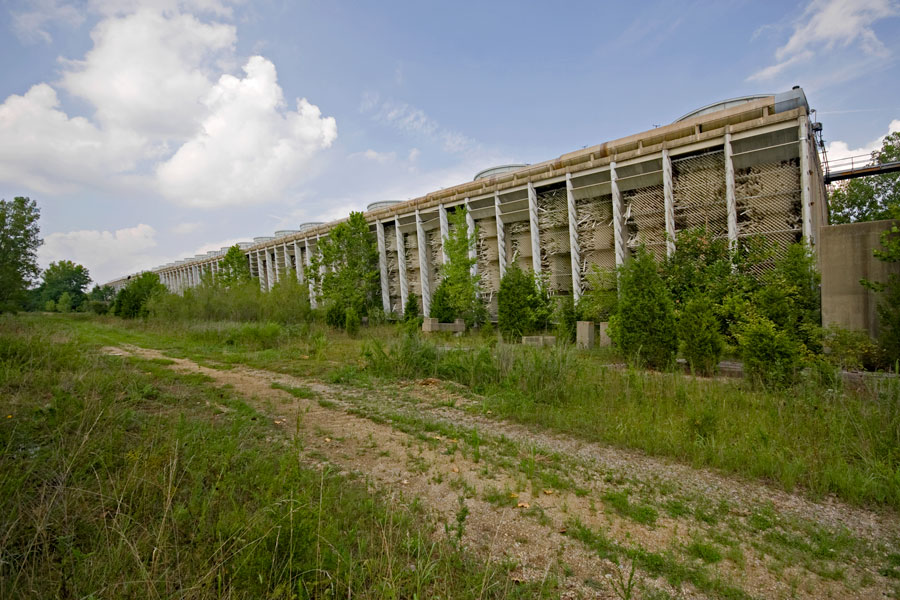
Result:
x=445 y=231
x=470 y=230
x=424 y=267
x=501 y=236
x=276 y=268
x=310 y=282
x=401 y=264
x=196 y=275
x=618 y=216
x=730 y=203
x=270 y=270
x=534 y=228
x=260 y=274
x=574 y=246
x=805 y=185
x=669 y=200
x=298 y=263
x=382 y=267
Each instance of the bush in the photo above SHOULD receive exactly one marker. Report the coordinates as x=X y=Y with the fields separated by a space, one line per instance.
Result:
x=772 y=358
x=852 y=350
x=600 y=297
x=441 y=307
x=411 y=309
x=567 y=318
x=701 y=342
x=523 y=305
x=351 y=321
x=789 y=296
x=50 y=306
x=134 y=300
x=644 y=325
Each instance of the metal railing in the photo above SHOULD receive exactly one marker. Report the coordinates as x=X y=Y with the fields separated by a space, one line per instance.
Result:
x=851 y=167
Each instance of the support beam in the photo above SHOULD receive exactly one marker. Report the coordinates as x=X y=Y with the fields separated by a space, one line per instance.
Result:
x=401 y=265
x=424 y=267
x=470 y=231
x=730 y=203
x=574 y=246
x=260 y=274
x=310 y=282
x=669 y=201
x=534 y=228
x=445 y=232
x=501 y=236
x=618 y=216
x=805 y=186
x=298 y=264
x=382 y=267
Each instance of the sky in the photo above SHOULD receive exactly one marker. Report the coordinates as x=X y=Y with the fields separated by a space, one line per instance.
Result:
x=149 y=131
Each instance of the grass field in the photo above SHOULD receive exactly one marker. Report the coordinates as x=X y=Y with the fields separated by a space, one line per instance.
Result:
x=816 y=437
x=120 y=478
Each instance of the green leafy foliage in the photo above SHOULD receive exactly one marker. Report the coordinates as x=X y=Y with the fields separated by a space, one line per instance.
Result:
x=456 y=296
x=411 y=309
x=889 y=306
x=345 y=270
x=644 y=325
x=698 y=329
x=523 y=304
x=19 y=242
x=600 y=296
x=133 y=300
x=567 y=318
x=790 y=296
x=65 y=277
x=772 y=358
x=234 y=268
x=869 y=198
x=351 y=322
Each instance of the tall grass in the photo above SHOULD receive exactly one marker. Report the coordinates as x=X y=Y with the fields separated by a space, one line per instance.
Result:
x=120 y=478
x=816 y=435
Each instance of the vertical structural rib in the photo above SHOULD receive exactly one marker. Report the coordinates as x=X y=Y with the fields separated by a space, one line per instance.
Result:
x=298 y=264
x=805 y=193
x=533 y=227
x=501 y=236
x=618 y=218
x=730 y=204
x=574 y=247
x=401 y=264
x=270 y=272
x=669 y=200
x=424 y=270
x=470 y=231
x=382 y=267
x=445 y=232
x=311 y=284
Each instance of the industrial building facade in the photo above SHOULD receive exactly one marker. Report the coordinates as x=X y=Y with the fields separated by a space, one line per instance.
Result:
x=740 y=168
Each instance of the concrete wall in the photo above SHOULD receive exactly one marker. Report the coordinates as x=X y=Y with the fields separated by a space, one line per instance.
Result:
x=845 y=257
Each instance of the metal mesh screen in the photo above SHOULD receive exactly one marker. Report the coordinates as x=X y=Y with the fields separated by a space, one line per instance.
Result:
x=768 y=201
x=699 y=193
x=553 y=229
x=645 y=219
x=412 y=266
x=595 y=233
x=435 y=257
x=518 y=236
x=393 y=268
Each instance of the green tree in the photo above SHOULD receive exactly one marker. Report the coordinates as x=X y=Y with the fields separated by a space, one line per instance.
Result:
x=65 y=277
x=104 y=293
x=19 y=242
x=869 y=198
x=345 y=270
x=411 y=310
x=523 y=304
x=644 y=325
x=65 y=303
x=131 y=301
x=234 y=267
x=456 y=296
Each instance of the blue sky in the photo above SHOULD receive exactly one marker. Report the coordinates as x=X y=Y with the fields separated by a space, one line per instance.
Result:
x=149 y=131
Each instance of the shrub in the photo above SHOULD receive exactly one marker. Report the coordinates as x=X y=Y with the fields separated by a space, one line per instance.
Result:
x=644 y=326
x=772 y=358
x=411 y=309
x=789 y=296
x=133 y=300
x=852 y=350
x=50 y=306
x=351 y=321
x=442 y=308
x=600 y=297
x=64 y=304
x=567 y=318
x=523 y=305
x=701 y=342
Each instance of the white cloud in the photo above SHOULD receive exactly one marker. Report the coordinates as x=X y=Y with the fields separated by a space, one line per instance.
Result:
x=186 y=227
x=379 y=157
x=31 y=25
x=148 y=72
x=249 y=148
x=830 y=25
x=415 y=121
x=43 y=149
x=838 y=150
x=106 y=254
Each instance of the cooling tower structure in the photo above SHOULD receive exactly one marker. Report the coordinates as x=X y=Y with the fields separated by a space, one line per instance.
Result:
x=742 y=167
